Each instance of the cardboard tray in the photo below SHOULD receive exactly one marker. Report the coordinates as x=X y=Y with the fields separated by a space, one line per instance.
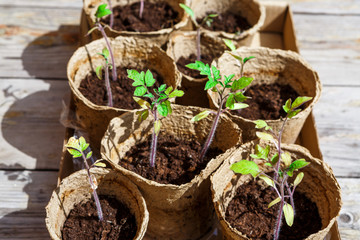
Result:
x=278 y=32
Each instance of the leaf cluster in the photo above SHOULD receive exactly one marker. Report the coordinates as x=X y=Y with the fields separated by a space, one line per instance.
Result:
x=76 y=147
x=208 y=19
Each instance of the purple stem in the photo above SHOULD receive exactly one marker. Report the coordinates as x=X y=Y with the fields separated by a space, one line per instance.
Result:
x=198 y=40
x=110 y=51
x=154 y=139
x=141 y=9
x=279 y=217
x=107 y=85
x=111 y=15
x=277 y=167
x=212 y=132
x=93 y=187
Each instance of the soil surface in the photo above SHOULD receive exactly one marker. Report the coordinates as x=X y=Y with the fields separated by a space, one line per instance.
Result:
x=182 y=62
x=177 y=161
x=122 y=90
x=227 y=22
x=266 y=101
x=156 y=16
x=83 y=222
x=248 y=212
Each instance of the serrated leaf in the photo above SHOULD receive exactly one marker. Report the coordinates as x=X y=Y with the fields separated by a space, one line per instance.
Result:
x=245 y=167
x=298 y=179
x=136 y=76
x=149 y=95
x=286 y=158
x=162 y=96
x=215 y=72
x=248 y=58
x=162 y=109
x=88 y=155
x=228 y=79
x=241 y=83
x=277 y=200
x=299 y=101
x=230 y=44
x=143 y=104
x=289 y=214
x=267 y=180
x=75 y=153
x=287 y=106
x=188 y=10
x=157 y=126
x=149 y=79
x=98 y=72
x=200 y=116
x=140 y=91
x=102 y=11
x=292 y=114
x=264 y=136
x=162 y=88
x=142 y=115
x=176 y=93
x=210 y=84
x=168 y=90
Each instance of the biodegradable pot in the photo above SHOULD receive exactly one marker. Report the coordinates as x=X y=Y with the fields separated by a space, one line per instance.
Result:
x=251 y=10
x=176 y=211
x=127 y=51
x=183 y=44
x=159 y=37
x=75 y=189
x=319 y=185
x=273 y=66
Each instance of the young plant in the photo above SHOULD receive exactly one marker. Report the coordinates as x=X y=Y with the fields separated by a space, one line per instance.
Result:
x=98 y=70
x=208 y=19
x=230 y=94
x=156 y=104
x=102 y=11
x=76 y=148
x=281 y=163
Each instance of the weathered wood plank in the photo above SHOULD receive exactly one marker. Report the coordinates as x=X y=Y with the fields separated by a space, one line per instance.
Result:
x=349 y=219
x=43 y=3
x=337 y=120
x=24 y=195
x=31 y=135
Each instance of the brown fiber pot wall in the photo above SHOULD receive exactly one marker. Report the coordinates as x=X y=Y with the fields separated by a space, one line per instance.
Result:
x=176 y=211
x=251 y=10
x=319 y=185
x=76 y=189
x=270 y=66
x=183 y=44
x=127 y=50
x=159 y=37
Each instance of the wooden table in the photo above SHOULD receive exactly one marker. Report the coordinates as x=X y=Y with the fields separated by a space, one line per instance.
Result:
x=38 y=37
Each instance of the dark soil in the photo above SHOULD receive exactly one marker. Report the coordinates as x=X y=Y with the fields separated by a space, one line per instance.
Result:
x=83 y=222
x=266 y=101
x=248 y=212
x=177 y=161
x=122 y=90
x=156 y=16
x=182 y=62
x=227 y=22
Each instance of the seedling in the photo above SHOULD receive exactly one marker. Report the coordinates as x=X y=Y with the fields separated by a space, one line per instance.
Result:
x=230 y=94
x=102 y=11
x=208 y=19
x=105 y=54
x=158 y=103
x=281 y=163
x=76 y=148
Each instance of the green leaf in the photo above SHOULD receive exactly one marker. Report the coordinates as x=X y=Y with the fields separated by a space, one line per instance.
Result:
x=215 y=72
x=162 y=96
x=287 y=106
x=99 y=164
x=168 y=90
x=248 y=58
x=162 y=88
x=102 y=11
x=286 y=158
x=300 y=163
x=142 y=115
x=98 y=72
x=236 y=57
x=149 y=79
x=267 y=180
x=137 y=77
x=289 y=214
x=260 y=124
x=237 y=106
x=299 y=101
x=265 y=136
x=200 y=116
x=292 y=114
x=140 y=91
x=157 y=126
x=241 y=83
x=228 y=79
x=143 y=104
x=82 y=144
x=230 y=44
x=88 y=155
x=213 y=15
x=168 y=105
x=73 y=143
x=149 y=95
x=230 y=101
x=162 y=109
x=176 y=93
x=245 y=167
x=200 y=66
x=188 y=10
x=268 y=164
x=105 y=53
x=298 y=179
x=239 y=97
x=274 y=159
x=74 y=153
x=277 y=200
x=262 y=153
x=210 y=84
